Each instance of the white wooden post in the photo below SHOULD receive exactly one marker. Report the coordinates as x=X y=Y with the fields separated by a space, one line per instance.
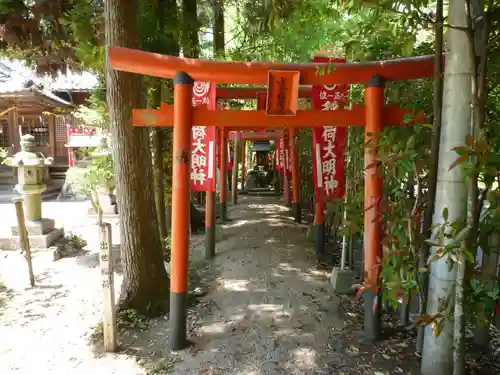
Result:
x=23 y=237
x=106 y=266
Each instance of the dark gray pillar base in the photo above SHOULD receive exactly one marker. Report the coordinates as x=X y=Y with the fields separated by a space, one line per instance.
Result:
x=481 y=335
x=296 y=212
x=404 y=313
x=178 y=321
x=209 y=242
x=372 y=322
x=223 y=212
x=320 y=240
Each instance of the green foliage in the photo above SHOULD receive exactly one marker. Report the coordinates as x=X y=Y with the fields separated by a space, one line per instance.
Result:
x=3 y=156
x=95 y=112
x=85 y=21
x=75 y=240
x=132 y=319
x=98 y=177
x=42 y=34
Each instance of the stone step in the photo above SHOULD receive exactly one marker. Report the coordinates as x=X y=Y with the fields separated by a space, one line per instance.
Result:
x=265 y=192
x=8 y=192
x=7 y=180
x=58 y=172
x=6 y=174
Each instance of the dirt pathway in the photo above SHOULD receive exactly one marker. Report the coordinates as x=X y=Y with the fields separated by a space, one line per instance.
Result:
x=267 y=310
x=270 y=311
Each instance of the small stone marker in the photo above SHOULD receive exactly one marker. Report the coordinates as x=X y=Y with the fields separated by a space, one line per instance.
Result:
x=342 y=280
x=106 y=266
x=23 y=237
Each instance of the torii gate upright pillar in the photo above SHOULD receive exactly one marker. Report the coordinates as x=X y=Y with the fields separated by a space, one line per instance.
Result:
x=181 y=171
x=296 y=211
x=374 y=101
x=234 y=175
x=223 y=175
x=243 y=163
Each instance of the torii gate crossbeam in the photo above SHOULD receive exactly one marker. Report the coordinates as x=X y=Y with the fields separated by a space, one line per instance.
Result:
x=156 y=65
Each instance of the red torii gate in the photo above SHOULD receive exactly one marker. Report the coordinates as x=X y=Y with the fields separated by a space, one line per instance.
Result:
x=261 y=136
x=249 y=136
x=226 y=119
x=374 y=115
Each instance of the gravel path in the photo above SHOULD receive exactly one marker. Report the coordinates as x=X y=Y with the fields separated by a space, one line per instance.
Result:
x=270 y=311
x=267 y=310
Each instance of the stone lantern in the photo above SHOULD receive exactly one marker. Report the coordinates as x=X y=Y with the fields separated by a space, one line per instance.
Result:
x=32 y=176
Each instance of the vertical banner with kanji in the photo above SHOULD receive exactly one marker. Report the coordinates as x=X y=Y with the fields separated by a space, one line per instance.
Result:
x=329 y=141
x=203 y=142
x=287 y=157
x=288 y=162
x=230 y=151
x=277 y=146
x=283 y=159
x=280 y=155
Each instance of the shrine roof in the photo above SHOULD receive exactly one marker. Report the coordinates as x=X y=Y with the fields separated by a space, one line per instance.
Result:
x=30 y=98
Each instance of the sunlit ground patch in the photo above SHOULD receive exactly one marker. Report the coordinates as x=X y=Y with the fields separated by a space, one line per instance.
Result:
x=304 y=358
x=234 y=285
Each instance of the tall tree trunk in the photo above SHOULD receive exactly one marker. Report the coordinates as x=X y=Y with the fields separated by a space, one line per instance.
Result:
x=146 y=284
x=451 y=191
x=170 y=43
x=433 y=170
x=463 y=270
x=219 y=38
x=159 y=167
x=490 y=259
x=190 y=28
x=167 y=42
x=171 y=46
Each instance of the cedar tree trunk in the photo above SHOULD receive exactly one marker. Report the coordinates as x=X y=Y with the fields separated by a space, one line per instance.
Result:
x=218 y=39
x=145 y=281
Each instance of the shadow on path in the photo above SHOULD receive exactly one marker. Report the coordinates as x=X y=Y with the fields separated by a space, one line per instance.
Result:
x=269 y=310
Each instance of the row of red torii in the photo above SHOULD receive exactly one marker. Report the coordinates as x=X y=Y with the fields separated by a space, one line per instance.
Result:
x=277 y=109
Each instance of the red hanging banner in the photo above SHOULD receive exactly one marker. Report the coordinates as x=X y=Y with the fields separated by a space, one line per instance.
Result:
x=286 y=159
x=203 y=142
x=283 y=160
x=329 y=141
x=277 y=155
x=230 y=151
x=204 y=94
